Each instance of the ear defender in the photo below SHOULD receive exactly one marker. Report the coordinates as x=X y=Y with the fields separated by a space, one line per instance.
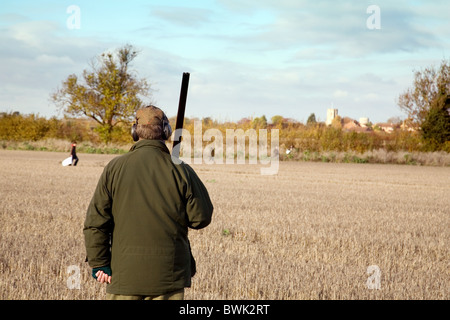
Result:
x=167 y=129
x=133 y=132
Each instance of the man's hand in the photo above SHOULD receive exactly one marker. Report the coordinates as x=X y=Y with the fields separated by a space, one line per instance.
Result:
x=102 y=274
x=103 y=277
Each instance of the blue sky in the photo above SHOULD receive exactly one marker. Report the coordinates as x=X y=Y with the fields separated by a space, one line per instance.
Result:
x=246 y=58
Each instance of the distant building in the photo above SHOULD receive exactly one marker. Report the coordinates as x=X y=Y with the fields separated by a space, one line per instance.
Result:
x=349 y=124
x=363 y=122
x=353 y=125
x=386 y=127
x=331 y=114
x=407 y=125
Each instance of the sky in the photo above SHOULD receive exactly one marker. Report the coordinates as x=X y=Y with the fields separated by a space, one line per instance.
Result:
x=246 y=58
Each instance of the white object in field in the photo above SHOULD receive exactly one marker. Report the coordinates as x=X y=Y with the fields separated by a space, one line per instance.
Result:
x=66 y=162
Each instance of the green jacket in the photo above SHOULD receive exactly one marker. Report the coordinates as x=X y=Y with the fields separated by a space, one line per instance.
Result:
x=138 y=220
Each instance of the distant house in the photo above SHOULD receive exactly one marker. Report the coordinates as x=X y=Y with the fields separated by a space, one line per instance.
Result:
x=386 y=127
x=349 y=124
x=361 y=129
x=353 y=125
x=408 y=126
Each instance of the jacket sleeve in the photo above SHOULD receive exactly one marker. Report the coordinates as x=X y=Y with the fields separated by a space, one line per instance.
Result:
x=98 y=225
x=199 y=207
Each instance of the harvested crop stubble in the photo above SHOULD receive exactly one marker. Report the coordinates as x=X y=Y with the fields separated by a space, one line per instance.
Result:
x=309 y=232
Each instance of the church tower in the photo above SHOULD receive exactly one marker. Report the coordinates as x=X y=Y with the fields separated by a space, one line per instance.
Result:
x=331 y=114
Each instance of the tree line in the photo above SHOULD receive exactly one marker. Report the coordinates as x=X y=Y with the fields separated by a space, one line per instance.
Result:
x=311 y=137
x=99 y=106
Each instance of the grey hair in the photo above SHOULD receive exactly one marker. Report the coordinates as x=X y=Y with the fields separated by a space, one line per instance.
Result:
x=150 y=131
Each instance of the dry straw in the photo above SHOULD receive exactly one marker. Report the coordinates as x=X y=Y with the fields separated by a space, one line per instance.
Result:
x=309 y=232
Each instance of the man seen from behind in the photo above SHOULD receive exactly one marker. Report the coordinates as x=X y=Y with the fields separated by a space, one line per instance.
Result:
x=136 y=226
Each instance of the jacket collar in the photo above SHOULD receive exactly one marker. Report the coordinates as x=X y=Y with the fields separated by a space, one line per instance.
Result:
x=158 y=144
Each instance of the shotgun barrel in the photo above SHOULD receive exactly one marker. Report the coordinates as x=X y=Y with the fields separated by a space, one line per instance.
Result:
x=181 y=110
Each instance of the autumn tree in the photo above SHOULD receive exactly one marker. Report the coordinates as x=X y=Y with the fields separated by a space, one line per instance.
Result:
x=277 y=120
x=430 y=89
x=259 y=122
x=436 y=127
x=109 y=93
x=337 y=122
x=311 y=120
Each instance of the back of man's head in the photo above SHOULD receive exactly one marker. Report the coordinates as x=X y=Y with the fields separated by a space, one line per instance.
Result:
x=152 y=124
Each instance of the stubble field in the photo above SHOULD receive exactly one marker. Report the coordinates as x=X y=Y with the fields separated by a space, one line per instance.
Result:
x=309 y=232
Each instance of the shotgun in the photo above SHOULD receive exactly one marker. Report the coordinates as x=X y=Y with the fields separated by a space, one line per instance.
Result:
x=177 y=140
x=180 y=115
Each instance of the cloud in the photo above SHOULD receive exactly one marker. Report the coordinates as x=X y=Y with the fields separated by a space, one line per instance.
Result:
x=32 y=33
x=36 y=56
x=182 y=16
x=333 y=29
x=340 y=94
x=314 y=53
x=54 y=61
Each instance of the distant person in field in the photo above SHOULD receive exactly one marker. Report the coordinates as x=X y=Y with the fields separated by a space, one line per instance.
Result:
x=136 y=226
x=73 y=153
